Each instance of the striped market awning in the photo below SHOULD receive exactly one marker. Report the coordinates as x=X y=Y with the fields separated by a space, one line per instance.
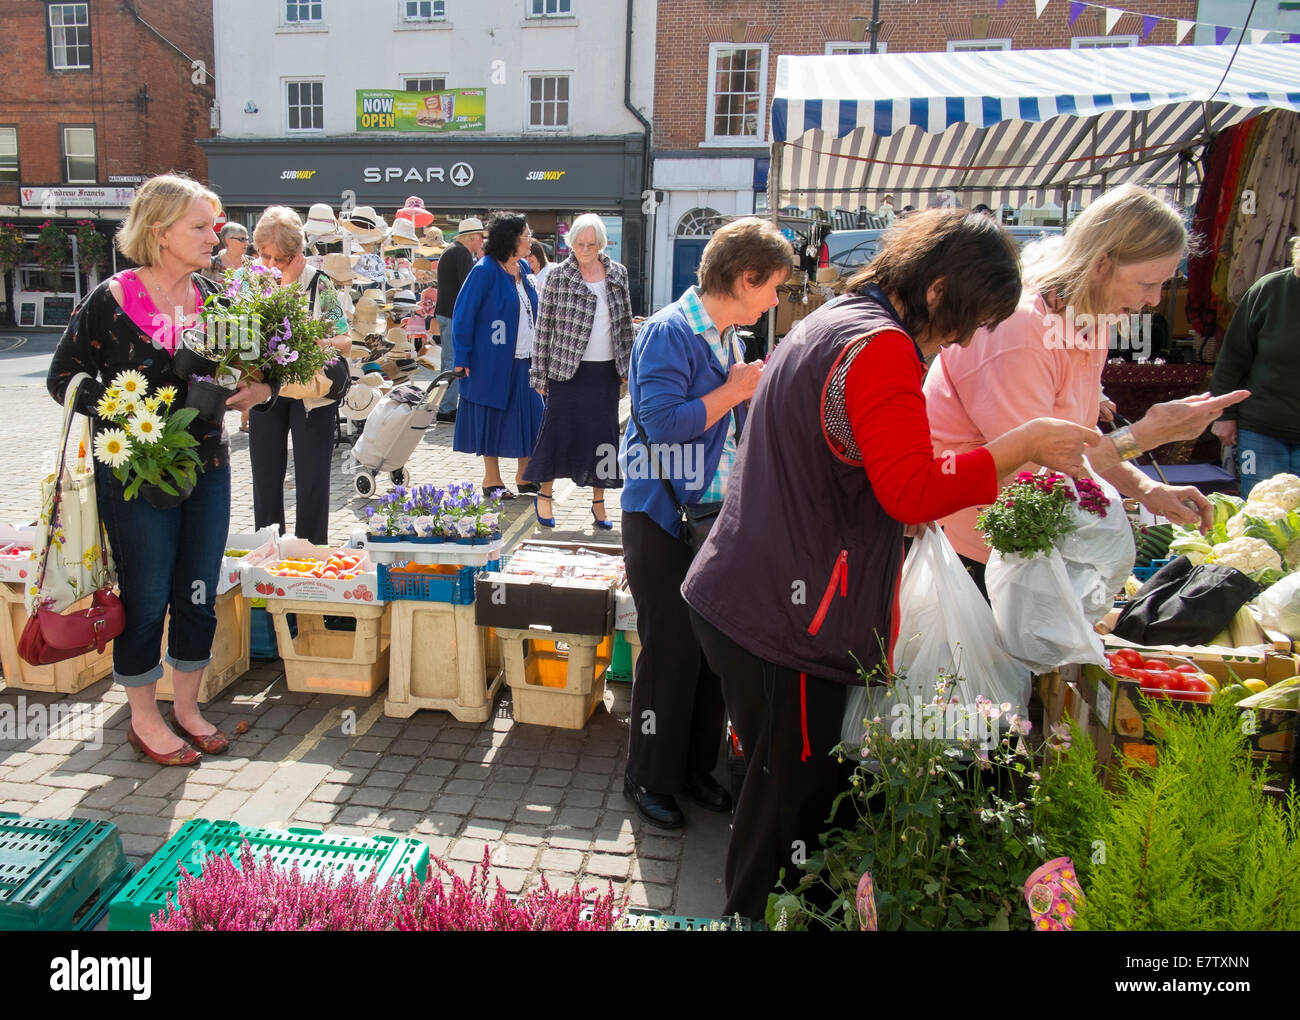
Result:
x=1011 y=126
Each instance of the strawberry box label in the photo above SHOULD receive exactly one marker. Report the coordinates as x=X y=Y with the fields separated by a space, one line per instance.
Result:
x=309 y=573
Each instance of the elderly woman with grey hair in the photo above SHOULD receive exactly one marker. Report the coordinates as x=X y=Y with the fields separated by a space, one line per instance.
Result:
x=580 y=357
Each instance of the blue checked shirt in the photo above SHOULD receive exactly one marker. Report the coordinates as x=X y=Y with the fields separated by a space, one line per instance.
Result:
x=724 y=349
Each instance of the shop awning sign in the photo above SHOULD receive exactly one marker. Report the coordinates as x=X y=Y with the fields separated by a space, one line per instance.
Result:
x=73 y=197
x=450 y=111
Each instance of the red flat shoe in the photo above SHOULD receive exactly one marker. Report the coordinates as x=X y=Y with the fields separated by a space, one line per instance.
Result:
x=215 y=742
x=183 y=756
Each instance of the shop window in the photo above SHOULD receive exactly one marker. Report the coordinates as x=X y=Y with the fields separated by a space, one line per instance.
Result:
x=427 y=84
x=548 y=100
x=79 y=165
x=305 y=105
x=701 y=222
x=299 y=12
x=549 y=8
x=69 y=36
x=425 y=10
x=737 y=87
x=8 y=154
x=977 y=45
x=843 y=49
x=1102 y=42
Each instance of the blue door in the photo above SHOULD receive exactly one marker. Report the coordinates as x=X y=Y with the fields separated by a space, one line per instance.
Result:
x=686 y=259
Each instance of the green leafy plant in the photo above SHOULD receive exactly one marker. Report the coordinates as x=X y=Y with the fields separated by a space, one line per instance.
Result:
x=11 y=246
x=52 y=247
x=1191 y=843
x=146 y=440
x=92 y=246
x=938 y=823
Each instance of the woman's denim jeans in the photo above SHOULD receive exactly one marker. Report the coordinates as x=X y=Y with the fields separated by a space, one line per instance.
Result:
x=165 y=559
x=1265 y=457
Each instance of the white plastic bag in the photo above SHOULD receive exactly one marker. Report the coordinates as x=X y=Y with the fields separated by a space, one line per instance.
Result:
x=1279 y=606
x=1040 y=619
x=945 y=626
x=1099 y=554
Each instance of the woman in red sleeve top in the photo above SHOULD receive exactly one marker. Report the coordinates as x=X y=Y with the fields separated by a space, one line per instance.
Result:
x=798 y=582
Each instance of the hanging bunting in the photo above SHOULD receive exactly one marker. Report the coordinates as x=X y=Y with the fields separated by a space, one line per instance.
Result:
x=1076 y=9
x=1258 y=35
x=1183 y=28
x=1149 y=22
x=1221 y=32
x=1039 y=7
x=1294 y=37
x=1112 y=18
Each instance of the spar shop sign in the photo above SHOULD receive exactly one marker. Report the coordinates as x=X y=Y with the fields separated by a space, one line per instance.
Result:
x=450 y=111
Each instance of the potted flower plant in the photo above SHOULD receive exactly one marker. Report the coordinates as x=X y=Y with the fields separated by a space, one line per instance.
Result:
x=148 y=445
x=52 y=252
x=11 y=246
x=92 y=246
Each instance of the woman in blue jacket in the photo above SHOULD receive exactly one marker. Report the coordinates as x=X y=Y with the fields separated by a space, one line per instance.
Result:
x=492 y=326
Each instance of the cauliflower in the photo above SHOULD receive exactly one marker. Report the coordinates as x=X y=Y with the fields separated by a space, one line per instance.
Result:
x=1249 y=555
x=1267 y=512
x=1280 y=490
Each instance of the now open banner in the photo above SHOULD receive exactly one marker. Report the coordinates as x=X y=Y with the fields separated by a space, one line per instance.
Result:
x=447 y=112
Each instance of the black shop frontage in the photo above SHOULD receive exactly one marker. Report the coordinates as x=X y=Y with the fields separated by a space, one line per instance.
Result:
x=553 y=181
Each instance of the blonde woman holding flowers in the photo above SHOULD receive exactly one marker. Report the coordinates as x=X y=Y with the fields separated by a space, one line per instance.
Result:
x=124 y=336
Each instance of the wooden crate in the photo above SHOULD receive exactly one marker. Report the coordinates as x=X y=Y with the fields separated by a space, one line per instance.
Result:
x=67 y=677
x=552 y=687
x=439 y=659
x=231 y=647
x=321 y=661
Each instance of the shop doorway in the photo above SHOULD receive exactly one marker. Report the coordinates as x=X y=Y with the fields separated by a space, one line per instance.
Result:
x=692 y=234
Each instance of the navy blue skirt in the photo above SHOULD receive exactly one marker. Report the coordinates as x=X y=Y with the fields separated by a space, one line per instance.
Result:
x=580 y=435
x=501 y=432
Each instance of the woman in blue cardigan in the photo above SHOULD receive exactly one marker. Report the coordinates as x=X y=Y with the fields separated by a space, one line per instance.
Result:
x=492 y=327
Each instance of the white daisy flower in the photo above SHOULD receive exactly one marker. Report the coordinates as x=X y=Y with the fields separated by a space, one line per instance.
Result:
x=112 y=447
x=131 y=383
x=146 y=427
x=129 y=405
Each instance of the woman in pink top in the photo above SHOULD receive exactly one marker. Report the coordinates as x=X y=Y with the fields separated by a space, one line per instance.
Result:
x=1046 y=359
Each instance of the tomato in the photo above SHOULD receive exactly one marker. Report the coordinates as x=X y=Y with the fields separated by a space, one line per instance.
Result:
x=1194 y=688
x=1156 y=664
x=1130 y=657
x=1120 y=669
x=1186 y=667
x=1156 y=683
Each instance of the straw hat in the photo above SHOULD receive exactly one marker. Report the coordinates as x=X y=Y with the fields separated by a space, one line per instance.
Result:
x=471 y=225
x=402 y=235
x=365 y=224
x=367 y=317
x=415 y=212
x=338 y=267
x=320 y=220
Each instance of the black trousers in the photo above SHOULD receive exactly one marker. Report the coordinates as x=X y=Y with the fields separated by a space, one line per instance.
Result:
x=677 y=710
x=785 y=800
x=313 y=452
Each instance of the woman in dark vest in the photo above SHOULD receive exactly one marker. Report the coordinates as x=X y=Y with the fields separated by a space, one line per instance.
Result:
x=798 y=581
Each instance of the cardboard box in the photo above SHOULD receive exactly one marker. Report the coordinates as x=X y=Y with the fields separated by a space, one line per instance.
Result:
x=259 y=583
x=262 y=546
x=18 y=569
x=624 y=610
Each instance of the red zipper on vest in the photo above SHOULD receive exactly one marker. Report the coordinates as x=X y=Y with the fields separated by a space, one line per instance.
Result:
x=841 y=575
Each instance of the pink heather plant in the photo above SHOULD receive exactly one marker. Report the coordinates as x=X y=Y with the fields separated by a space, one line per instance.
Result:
x=269 y=897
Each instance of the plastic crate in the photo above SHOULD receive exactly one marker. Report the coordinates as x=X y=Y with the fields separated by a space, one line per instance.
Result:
x=261 y=626
x=1144 y=574
x=435 y=583
x=310 y=849
x=67 y=677
x=58 y=875
x=550 y=686
x=323 y=658
x=440 y=660
x=679 y=922
x=230 y=650
x=622 y=663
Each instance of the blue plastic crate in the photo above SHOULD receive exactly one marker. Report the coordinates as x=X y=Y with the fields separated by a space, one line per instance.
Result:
x=1144 y=574
x=457 y=588
x=262 y=642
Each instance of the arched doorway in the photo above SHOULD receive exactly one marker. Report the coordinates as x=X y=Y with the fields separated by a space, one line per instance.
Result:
x=693 y=232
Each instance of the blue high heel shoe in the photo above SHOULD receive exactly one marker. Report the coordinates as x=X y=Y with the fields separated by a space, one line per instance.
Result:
x=603 y=525
x=545 y=522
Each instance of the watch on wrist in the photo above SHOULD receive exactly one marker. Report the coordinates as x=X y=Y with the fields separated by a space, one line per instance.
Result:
x=1125 y=444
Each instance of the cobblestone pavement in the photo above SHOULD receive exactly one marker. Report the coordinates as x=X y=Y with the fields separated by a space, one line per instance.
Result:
x=544 y=800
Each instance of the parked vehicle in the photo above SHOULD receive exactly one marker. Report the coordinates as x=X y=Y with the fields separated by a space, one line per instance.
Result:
x=846 y=250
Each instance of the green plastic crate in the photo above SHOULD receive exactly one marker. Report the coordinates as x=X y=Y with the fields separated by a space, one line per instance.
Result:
x=677 y=922
x=57 y=874
x=310 y=849
x=620 y=662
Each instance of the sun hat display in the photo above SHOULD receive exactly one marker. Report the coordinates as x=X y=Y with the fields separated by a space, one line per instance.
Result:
x=320 y=220
x=338 y=267
x=370 y=267
x=367 y=317
x=366 y=224
x=414 y=211
x=402 y=235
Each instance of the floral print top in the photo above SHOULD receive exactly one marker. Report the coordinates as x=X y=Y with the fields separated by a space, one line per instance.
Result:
x=102 y=340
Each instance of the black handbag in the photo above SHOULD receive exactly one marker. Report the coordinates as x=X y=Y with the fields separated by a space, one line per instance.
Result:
x=696 y=519
x=1185 y=605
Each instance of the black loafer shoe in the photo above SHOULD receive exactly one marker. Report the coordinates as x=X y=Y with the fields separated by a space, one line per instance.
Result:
x=445 y=416
x=656 y=808
x=707 y=792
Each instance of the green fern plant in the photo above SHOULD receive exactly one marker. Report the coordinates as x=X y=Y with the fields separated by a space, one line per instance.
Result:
x=1191 y=843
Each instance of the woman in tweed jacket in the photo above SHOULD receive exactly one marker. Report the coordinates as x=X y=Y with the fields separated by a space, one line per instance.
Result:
x=580 y=357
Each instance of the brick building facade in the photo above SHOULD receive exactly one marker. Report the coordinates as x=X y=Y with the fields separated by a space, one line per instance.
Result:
x=710 y=149
x=94 y=96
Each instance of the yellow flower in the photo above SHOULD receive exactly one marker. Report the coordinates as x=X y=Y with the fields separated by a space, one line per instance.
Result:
x=114 y=393
x=132 y=382
x=151 y=403
x=129 y=405
x=145 y=426
x=108 y=407
x=112 y=447
x=167 y=394
x=90 y=557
